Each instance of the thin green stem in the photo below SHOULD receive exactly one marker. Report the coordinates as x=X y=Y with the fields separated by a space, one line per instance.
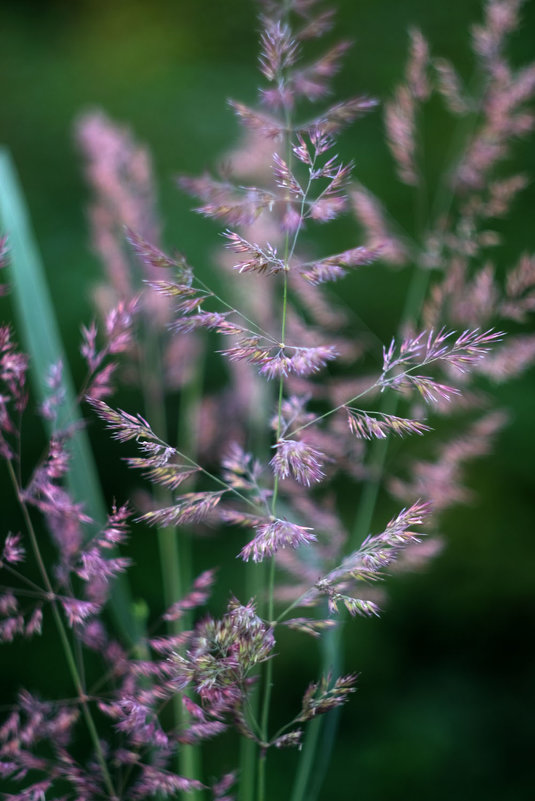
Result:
x=174 y=554
x=254 y=573
x=305 y=764
x=271 y=578
x=189 y=755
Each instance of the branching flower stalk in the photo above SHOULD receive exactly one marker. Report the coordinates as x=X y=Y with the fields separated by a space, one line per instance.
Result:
x=120 y=174
x=65 y=644
x=328 y=419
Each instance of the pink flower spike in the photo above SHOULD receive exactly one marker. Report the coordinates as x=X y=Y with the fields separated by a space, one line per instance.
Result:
x=78 y=611
x=13 y=551
x=273 y=535
x=296 y=458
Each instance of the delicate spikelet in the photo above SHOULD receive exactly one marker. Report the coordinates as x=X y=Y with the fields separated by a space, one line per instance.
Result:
x=4 y=252
x=379 y=236
x=13 y=370
x=170 y=475
x=198 y=595
x=218 y=660
x=278 y=49
x=173 y=289
x=366 y=426
x=78 y=611
x=193 y=507
x=261 y=122
x=274 y=534
x=285 y=179
x=450 y=87
x=316 y=24
x=507 y=91
x=520 y=290
x=239 y=518
x=258 y=259
x=440 y=481
x=124 y=425
x=334 y=119
x=292 y=739
x=297 y=458
x=313 y=81
x=238 y=205
x=13 y=550
x=460 y=352
x=119 y=171
x=118 y=326
x=240 y=470
x=325 y=695
x=310 y=626
x=509 y=361
x=400 y=126
x=334 y=267
x=159 y=782
x=276 y=362
x=220 y=788
x=417 y=78
x=326 y=208
x=212 y=321
x=149 y=253
x=369 y=561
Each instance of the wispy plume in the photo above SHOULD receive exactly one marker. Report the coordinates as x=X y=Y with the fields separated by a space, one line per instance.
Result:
x=310 y=404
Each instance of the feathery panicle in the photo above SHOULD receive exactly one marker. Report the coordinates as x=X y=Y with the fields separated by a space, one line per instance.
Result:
x=286 y=328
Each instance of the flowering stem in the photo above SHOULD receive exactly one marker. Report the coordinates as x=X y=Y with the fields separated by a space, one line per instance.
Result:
x=189 y=755
x=174 y=561
x=271 y=577
x=303 y=786
x=69 y=656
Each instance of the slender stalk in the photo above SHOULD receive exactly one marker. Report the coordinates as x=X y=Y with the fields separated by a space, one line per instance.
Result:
x=67 y=650
x=305 y=765
x=175 y=555
x=271 y=575
x=189 y=755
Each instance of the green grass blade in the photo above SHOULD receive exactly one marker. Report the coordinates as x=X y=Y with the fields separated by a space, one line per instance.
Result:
x=39 y=334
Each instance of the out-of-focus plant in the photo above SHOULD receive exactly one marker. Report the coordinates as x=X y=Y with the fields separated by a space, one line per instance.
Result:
x=264 y=456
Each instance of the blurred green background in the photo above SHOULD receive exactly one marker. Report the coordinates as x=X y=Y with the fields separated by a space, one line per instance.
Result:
x=445 y=702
